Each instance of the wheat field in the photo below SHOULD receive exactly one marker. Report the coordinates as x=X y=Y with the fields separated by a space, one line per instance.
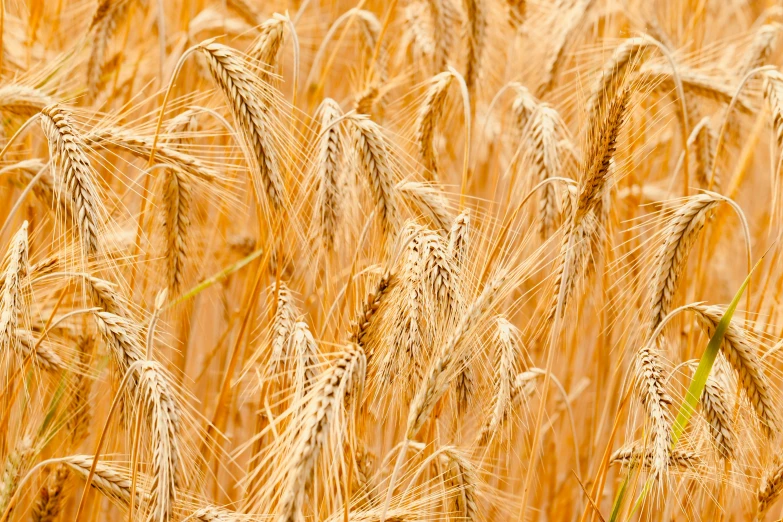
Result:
x=391 y=260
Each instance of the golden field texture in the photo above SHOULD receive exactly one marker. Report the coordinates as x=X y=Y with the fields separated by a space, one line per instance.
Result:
x=391 y=260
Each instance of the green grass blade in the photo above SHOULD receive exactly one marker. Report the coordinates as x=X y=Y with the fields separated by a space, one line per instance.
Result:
x=618 y=501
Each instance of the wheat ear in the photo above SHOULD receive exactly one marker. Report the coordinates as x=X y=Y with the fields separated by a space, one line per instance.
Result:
x=773 y=94
x=716 y=408
x=304 y=350
x=769 y=490
x=23 y=100
x=162 y=410
x=649 y=378
x=748 y=367
x=344 y=379
x=443 y=16
x=27 y=345
x=14 y=275
x=15 y=465
x=760 y=49
x=442 y=368
x=235 y=80
x=680 y=234
x=330 y=152
x=245 y=10
x=693 y=82
x=418 y=38
x=374 y=159
x=428 y=200
x=141 y=146
x=635 y=455
x=267 y=45
x=67 y=149
x=428 y=116
x=363 y=323
x=104 y=25
x=703 y=140
x=624 y=57
x=282 y=326
x=545 y=128
x=508 y=353
x=48 y=503
x=177 y=197
x=476 y=30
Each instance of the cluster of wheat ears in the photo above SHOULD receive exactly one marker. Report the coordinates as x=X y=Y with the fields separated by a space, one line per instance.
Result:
x=390 y=260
